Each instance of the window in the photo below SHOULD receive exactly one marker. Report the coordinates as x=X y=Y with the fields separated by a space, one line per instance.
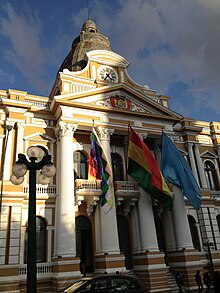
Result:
x=211 y=175
x=40 y=240
x=123 y=285
x=80 y=165
x=194 y=232
x=117 y=167
x=218 y=221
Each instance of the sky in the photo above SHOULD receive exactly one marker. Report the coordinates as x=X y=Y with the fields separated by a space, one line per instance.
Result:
x=173 y=46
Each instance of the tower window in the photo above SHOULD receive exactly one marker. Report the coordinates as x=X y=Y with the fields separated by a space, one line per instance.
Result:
x=211 y=175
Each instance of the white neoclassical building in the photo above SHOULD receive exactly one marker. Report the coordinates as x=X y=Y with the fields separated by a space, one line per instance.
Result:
x=74 y=235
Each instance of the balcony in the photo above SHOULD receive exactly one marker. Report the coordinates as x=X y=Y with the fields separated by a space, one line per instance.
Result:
x=42 y=191
x=89 y=191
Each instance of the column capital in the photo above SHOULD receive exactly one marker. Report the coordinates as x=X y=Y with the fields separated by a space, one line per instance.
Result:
x=65 y=129
x=105 y=133
x=189 y=145
x=10 y=124
x=197 y=145
x=20 y=125
x=143 y=135
x=217 y=147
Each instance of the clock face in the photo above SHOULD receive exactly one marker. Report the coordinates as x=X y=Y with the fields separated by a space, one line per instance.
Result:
x=107 y=74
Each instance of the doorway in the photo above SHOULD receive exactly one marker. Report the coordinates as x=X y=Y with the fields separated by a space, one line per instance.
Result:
x=125 y=241
x=84 y=249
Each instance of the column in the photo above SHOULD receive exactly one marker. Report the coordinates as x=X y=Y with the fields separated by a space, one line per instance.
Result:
x=200 y=167
x=192 y=160
x=109 y=230
x=1 y=146
x=98 y=232
x=218 y=152
x=170 y=230
x=8 y=150
x=65 y=230
x=147 y=224
x=183 y=235
x=20 y=137
x=135 y=229
x=50 y=229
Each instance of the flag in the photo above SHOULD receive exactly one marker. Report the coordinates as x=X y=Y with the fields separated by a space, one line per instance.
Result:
x=100 y=169
x=143 y=168
x=176 y=170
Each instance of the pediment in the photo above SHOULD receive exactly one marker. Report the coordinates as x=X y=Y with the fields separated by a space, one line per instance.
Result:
x=39 y=137
x=209 y=155
x=118 y=98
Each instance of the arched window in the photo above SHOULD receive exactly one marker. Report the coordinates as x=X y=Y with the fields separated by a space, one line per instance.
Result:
x=218 y=221
x=80 y=165
x=211 y=175
x=117 y=167
x=194 y=232
x=40 y=240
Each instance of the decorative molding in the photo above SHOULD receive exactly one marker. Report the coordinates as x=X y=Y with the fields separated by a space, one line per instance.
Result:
x=105 y=133
x=121 y=102
x=65 y=129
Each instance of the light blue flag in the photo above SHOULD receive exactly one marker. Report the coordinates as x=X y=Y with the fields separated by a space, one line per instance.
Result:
x=176 y=170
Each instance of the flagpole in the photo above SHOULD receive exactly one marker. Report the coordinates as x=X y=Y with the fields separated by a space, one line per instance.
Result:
x=126 y=151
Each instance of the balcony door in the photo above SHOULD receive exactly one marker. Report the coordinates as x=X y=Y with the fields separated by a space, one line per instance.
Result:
x=125 y=240
x=84 y=249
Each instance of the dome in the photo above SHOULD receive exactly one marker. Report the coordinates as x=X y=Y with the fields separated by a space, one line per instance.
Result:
x=88 y=40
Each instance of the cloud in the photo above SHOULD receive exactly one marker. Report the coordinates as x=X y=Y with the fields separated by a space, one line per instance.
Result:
x=169 y=42
x=25 y=51
x=6 y=77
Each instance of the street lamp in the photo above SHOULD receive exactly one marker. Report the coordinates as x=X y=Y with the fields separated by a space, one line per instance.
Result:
x=208 y=244
x=19 y=169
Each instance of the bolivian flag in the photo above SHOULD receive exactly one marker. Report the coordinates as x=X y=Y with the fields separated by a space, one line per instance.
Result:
x=143 y=168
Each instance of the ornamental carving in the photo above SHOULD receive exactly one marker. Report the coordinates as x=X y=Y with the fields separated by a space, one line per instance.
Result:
x=120 y=102
x=65 y=129
x=105 y=133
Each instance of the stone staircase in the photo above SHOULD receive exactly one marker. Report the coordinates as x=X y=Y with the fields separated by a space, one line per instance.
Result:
x=172 y=282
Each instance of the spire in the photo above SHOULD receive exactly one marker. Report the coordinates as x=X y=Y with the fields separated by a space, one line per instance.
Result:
x=89 y=39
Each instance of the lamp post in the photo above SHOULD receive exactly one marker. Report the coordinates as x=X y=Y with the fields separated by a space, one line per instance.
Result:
x=18 y=171
x=208 y=244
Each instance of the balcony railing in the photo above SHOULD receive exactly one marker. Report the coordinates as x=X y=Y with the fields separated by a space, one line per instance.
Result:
x=87 y=184
x=49 y=190
x=42 y=269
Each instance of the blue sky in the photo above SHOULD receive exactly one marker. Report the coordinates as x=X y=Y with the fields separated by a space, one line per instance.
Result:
x=173 y=46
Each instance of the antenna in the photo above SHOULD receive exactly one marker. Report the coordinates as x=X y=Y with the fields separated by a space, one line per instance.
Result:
x=88 y=9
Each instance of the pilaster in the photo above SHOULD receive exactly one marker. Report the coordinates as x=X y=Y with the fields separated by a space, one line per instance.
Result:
x=192 y=160
x=200 y=167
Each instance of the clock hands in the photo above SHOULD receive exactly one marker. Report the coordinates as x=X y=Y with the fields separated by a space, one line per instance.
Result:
x=107 y=75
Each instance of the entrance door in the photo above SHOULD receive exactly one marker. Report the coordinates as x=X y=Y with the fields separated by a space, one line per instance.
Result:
x=84 y=248
x=125 y=241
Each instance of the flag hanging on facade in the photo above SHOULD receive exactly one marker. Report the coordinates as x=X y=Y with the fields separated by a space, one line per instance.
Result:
x=176 y=170
x=100 y=169
x=143 y=168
